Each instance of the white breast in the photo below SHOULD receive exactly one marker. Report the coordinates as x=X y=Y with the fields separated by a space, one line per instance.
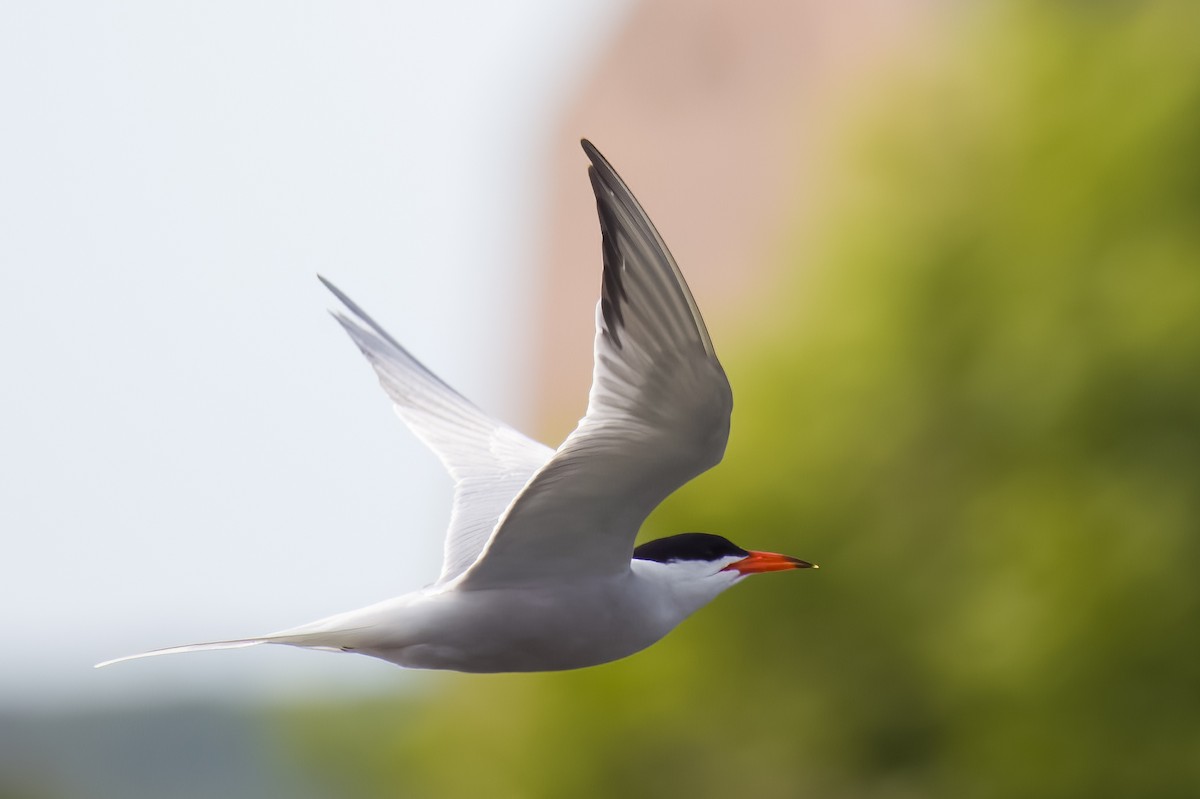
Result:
x=543 y=628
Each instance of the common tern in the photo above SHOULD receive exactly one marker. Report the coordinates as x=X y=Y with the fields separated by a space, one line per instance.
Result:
x=540 y=571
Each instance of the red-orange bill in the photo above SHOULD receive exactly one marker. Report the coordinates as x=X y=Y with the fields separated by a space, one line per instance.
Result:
x=759 y=562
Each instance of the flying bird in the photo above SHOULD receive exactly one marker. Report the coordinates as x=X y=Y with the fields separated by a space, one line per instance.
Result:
x=540 y=571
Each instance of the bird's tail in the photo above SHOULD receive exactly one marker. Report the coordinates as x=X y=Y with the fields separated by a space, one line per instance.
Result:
x=171 y=650
x=325 y=639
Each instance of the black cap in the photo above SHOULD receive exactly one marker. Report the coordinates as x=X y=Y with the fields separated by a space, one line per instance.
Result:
x=689 y=546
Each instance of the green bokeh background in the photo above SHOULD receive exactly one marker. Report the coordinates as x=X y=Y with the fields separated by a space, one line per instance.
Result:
x=975 y=401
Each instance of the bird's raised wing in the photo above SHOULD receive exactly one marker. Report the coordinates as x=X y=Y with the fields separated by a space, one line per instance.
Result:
x=488 y=460
x=658 y=414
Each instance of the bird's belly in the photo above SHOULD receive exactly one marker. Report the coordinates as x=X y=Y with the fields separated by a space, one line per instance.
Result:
x=508 y=630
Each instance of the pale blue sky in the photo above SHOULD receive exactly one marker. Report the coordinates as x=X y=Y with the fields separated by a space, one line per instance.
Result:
x=191 y=448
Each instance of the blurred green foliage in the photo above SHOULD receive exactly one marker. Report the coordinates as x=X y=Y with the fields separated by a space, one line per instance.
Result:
x=977 y=405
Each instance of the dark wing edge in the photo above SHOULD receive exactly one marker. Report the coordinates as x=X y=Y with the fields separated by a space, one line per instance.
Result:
x=621 y=213
x=658 y=414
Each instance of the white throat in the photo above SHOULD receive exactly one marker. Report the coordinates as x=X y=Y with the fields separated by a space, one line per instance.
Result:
x=683 y=587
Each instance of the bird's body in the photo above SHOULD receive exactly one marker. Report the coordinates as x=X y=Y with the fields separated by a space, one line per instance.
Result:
x=541 y=628
x=540 y=572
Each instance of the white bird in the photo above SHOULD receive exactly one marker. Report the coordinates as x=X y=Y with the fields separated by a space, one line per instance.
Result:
x=540 y=571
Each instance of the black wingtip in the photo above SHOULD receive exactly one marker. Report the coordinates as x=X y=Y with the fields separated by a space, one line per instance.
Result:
x=605 y=179
x=341 y=295
x=328 y=285
x=595 y=156
x=352 y=306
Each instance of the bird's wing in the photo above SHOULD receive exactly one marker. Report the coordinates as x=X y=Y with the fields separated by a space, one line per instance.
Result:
x=489 y=461
x=658 y=414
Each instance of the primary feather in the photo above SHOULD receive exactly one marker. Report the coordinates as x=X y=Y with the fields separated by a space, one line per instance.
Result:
x=489 y=461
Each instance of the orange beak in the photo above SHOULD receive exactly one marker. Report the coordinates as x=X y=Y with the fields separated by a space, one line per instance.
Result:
x=759 y=562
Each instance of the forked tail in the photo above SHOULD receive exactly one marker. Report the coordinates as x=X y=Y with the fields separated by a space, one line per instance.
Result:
x=171 y=650
x=326 y=639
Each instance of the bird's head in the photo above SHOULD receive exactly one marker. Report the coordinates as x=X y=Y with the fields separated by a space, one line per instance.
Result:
x=702 y=565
